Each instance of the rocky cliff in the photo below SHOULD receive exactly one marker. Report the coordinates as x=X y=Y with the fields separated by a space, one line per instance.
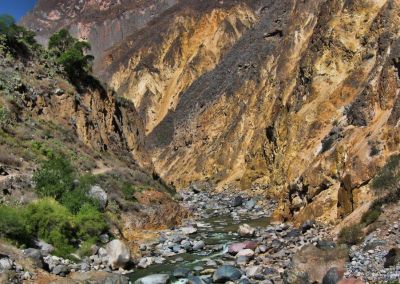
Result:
x=297 y=100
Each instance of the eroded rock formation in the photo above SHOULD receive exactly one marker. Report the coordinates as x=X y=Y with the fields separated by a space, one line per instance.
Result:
x=297 y=100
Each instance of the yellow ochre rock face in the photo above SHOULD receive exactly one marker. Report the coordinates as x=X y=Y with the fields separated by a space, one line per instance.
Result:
x=296 y=100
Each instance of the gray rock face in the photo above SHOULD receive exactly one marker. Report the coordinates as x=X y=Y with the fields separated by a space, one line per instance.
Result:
x=226 y=273
x=153 y=279
x=118 y=254
x=97 y=193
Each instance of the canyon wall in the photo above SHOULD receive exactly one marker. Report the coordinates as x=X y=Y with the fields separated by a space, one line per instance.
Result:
x=297 y=100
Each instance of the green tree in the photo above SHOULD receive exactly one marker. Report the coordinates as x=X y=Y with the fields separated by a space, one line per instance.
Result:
x=72 y=54
x=54 y=178
x=61 y=41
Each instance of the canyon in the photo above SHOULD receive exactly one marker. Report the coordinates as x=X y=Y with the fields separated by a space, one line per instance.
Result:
x=293 y=100
x=251 y=141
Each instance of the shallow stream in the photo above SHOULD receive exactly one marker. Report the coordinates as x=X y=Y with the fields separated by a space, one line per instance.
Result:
x=216 y=230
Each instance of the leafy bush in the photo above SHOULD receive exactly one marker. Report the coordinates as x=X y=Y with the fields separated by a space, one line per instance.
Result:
x=54 y=178
x=72 y=54
x=17 y=38
x=370 y=216
x=12 y=224
x=91 y=222
x=53 y=223
x=351 y=235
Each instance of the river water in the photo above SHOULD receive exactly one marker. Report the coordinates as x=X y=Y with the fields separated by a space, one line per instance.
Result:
x=217 y=232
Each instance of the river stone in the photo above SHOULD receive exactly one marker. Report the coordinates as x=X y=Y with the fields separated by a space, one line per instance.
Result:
x=246 y=252
x=392 y=258
x=153 y=279
x=97 y=193
x=226 y=273
x=198 y=245
x=188 y=230
x=195 y=280
x=250 y=204
x=145 y=262
x=237 y=201
x=244 y=281
x=118 y=254
x=246 y=231
x=180 y=272
x=253 y=271
x=242 y=260
x=236 y=247
x=331 y=277
x=307 y=225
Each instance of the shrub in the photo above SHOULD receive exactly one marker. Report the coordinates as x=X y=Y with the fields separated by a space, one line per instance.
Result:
x=91 y=222
x=12 y=225
x=71 y=53
x=351 y=235
x=389 y=176
x=53 y=223
x=17 y=38
x=54 y=178
x=370 y=216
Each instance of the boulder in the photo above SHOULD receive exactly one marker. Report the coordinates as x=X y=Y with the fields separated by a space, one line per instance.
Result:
x=97 y=193
x=246 y=231
x=250 y=204
x=5 y=264
x=392 y=258
x=118 y=254
x=153 y=279
x=236 y=247
x=36 y=256
x=145 y=262
x=246 y=252
x=198 y=245
x=312 y=263
x=195 y=280
x=188 y=230
x=237 y=201
x=307 y=225
x=331 y=277
x=44 y=247
x=180 y=272
x=253 y=271
x=226 y=273
x=61 y=270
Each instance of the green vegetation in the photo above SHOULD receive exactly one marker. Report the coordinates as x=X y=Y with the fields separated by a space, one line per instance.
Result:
x=72 y=54
x=389 y=176
x=370 y=216
x=57 y=179
x=52 y=222
x=351 y=235
x=18 y=39
x=54 y=178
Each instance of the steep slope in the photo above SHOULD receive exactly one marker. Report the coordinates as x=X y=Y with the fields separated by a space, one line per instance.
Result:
x=297 y=100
